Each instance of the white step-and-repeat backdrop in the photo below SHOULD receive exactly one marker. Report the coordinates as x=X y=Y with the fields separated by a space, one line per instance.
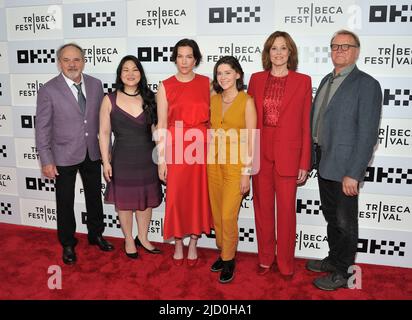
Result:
x=31 y=30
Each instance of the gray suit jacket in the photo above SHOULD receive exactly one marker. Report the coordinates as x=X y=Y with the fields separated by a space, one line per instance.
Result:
x=63 y=133
x=350 y=127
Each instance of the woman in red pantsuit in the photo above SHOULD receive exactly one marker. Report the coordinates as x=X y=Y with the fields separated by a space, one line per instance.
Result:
x=283 y=100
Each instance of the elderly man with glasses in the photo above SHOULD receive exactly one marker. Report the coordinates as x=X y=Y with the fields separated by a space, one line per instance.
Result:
x=345 y=121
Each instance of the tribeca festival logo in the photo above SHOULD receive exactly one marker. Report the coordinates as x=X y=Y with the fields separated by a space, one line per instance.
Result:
x=154 y=54
x=5 y=208
x=384 y=212
x=50 y=20
x=96 y=19
x=391 y=56
x=161 y=18
x=382 y=247
x=36 y=56
x=392 y=13
x=40 y=184
x=388 y=175
x=96 y=54
x=32 y=155
x=312 y=15
x=316 y=54
x=242 y=53
x=31 y=89
x=309 y=241
x=43 y=213
x=234 y=14
x=4 y=179
x=394 y=137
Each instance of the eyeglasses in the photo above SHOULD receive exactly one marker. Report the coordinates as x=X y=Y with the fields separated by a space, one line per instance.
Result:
x=344 y=47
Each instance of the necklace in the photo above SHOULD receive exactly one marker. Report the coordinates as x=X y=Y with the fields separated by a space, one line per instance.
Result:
x=131 y=95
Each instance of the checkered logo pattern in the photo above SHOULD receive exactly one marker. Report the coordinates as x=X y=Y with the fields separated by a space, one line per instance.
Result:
x=5 y=208
x=36 y=56
x=308 y=207
x=383 y=247
x=109 y=87
x=3 y=151
x=111 y=221
x=391 y=13
x=1 y=92
x=39 y=184
x=27 y=121
x=98 y=19
x=212 y=234
x=315 y=54
x=231 y=14
x=154 y=54
x=389 y=175
x=246 y=235
x=398 y=97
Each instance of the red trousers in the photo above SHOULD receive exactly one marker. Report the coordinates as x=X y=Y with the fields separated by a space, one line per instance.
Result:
x=275 y=230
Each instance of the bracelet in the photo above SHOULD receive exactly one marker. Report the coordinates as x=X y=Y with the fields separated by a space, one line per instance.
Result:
x=247 y=170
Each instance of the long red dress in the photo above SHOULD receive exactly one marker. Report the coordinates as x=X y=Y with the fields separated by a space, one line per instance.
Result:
x=187 y=199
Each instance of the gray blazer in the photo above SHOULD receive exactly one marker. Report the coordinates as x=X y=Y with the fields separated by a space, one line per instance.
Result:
x=350 y=127
x=63 y=133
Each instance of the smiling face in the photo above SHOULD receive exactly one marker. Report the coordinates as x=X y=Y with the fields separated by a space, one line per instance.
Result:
x=130 y=74
x=279 y=52
x=226 y=76
x=342 y=59
x=71 y=63
x=185 y=60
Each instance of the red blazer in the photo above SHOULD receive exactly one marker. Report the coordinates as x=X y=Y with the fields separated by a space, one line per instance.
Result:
x=292 y=141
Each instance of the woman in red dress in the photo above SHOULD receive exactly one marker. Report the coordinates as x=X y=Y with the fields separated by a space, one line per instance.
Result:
x=183 y=109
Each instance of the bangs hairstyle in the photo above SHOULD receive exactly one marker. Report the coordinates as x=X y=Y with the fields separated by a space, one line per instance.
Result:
x=293 y=50
x=149 y=102
x=346 y=32
x=187 y=43
x=235 y=65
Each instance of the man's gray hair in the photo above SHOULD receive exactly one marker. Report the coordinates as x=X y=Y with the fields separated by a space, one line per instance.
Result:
x=71 y=44
x=349 y=33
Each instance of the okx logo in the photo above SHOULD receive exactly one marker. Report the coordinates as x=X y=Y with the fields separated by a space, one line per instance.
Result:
x=234 y=14
x=315 y=54
x=27 y=121
x=397 y=97
x=3 y=151
x=392 y=13
x=5 y=208
x=389 y=175
x=154 y=54
x=1 y=93
x=382 y=247
x=36 y=56
x=40 y=184
x=96 y=19
x=311 y=207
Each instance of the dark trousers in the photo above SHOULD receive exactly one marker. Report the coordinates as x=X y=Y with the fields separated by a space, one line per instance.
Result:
x=341 y=214
x=90 y=172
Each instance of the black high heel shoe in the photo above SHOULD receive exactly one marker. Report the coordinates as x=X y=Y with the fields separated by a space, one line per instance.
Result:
x=139 y=244
x=134 y=255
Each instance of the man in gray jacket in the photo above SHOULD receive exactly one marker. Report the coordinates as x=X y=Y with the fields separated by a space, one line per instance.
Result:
x=345 y=122
x=67 y=124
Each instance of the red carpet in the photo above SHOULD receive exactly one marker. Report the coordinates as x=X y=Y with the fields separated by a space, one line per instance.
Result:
x=26 y=254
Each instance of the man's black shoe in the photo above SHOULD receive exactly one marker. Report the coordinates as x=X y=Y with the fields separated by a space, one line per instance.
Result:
x=69 y=255
x=101 y=243
x=331 y=282
x=228 y=271
x=217 y=265
x=320 y=265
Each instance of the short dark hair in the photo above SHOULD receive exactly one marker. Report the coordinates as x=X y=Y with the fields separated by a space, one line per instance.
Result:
x=187 y=43
x=235 y=65
x=149 y=102
x=71 y=44
x=293 y=57
x=346 y=32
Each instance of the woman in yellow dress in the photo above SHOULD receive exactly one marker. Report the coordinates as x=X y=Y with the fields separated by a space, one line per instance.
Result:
x=233 y=120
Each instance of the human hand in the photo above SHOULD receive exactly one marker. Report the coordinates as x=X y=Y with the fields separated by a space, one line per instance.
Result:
x=350 y=186
x=50 y=171
x=244 y=184
x=302 y=175
x=162 y=170
x=107 y=171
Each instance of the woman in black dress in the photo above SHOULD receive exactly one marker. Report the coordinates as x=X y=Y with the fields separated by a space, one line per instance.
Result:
x=130 y=172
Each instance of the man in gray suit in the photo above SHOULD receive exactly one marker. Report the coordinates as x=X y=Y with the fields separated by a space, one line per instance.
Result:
x=345 y=121
x=67 y=124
